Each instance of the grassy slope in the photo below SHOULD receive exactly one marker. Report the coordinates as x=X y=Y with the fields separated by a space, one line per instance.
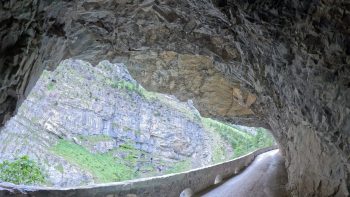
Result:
x=241 y=142
x=104 y=167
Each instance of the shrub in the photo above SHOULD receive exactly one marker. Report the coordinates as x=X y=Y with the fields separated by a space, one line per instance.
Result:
x=21 y=171
x=50 y=86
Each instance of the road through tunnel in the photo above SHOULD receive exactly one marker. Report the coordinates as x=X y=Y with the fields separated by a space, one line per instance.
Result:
x=280 y=65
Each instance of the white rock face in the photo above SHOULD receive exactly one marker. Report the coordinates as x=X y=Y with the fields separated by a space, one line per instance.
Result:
x=102 y=108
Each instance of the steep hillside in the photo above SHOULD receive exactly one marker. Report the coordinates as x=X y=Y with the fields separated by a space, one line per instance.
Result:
x=87 y=124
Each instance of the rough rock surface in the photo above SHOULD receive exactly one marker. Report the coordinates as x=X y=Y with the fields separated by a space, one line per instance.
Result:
x=103 y=108
x=293 y=56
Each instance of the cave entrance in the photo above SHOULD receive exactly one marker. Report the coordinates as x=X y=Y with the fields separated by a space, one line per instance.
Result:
x=84 y=124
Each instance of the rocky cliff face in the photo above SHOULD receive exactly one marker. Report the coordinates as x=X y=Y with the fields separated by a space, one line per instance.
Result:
x=281 y=64
x=105 y=111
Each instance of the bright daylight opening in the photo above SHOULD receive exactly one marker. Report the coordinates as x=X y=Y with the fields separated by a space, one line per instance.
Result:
x=84 y=124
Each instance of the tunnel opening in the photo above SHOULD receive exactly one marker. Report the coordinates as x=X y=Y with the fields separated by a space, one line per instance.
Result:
x=83 y=124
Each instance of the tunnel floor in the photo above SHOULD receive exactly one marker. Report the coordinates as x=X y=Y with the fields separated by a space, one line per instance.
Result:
x=265 y=177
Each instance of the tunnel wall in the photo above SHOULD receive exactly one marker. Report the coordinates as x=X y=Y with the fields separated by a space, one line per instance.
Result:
x=167 y=185
x=283 y=64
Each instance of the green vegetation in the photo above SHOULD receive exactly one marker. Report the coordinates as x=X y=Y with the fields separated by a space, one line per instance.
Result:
x=241 y=142
x=180 y=107
x=115 y=125
x=132 y=154
x=21 y=171
x=138 y=132
x=179 y=167
x=104 y=167
x=152 y=96
x=127 y=129
x=263 y=138
x=50 y=86
x=218 y=152
x=133 y=87
x=95 y=138
x=60 y=168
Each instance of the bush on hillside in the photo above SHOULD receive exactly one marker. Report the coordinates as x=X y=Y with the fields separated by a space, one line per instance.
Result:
x=21 y=171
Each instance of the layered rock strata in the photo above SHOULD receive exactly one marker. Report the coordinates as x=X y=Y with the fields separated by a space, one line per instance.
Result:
x=102 y=111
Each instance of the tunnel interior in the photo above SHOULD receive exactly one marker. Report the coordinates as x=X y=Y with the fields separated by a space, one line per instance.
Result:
x=282 y=65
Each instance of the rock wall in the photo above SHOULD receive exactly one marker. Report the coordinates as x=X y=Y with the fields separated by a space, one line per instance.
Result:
x=293 y=56
x=105 y=111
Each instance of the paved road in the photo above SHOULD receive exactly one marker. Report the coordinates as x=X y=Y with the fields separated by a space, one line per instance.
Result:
x=265 y=177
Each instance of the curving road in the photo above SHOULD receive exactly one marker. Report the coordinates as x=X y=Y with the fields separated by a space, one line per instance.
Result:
x=265 y=177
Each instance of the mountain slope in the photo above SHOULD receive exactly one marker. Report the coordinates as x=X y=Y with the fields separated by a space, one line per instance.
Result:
x=87 y=124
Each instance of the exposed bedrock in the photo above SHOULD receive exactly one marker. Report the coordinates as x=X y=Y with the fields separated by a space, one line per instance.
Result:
x=281 y=64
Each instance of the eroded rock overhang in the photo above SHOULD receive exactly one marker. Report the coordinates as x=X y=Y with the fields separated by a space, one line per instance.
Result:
x=278 y=64
x=129 y=32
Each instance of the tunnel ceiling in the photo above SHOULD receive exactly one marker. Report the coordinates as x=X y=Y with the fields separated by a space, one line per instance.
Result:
x=283 y=64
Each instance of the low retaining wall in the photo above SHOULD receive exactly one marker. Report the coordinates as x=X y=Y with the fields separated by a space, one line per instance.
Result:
x=173 y=185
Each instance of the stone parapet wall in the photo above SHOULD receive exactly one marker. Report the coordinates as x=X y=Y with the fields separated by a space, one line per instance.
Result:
x=179 y=184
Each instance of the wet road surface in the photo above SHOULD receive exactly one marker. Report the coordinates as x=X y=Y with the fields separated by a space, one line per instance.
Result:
x=265 y=177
